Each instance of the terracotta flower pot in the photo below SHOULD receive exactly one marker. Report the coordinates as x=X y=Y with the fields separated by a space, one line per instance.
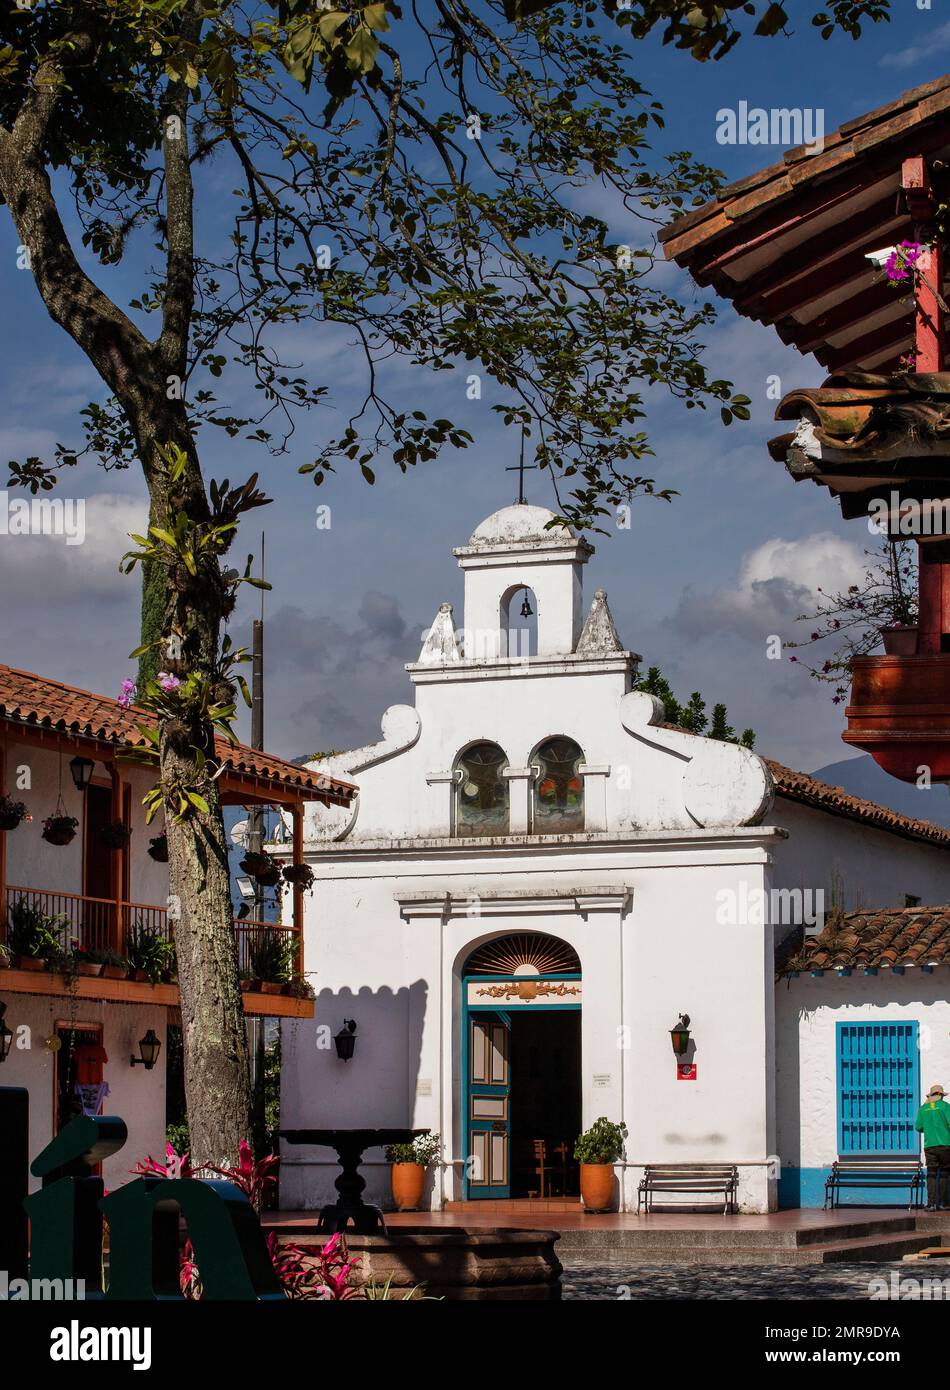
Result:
x=246 y=985
x=141 y=976
x=90 y=967
x=271 y=986
x=114 y=972
x=408 y=1181
x=899 y=641
x=597 y=1186
x=35 y=963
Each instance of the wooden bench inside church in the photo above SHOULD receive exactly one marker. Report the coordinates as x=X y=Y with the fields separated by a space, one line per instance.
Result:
x=701 y=1179
x=863 y=1171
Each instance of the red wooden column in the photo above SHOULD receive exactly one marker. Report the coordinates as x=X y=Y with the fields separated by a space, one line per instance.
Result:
x=933 y=582
x=3 y=844
x=297 y=820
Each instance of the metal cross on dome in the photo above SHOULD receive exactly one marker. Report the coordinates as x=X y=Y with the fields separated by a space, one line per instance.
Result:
x=521 y=468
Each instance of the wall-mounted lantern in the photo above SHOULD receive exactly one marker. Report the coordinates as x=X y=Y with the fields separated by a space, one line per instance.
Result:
x=679 y=1035
x=345 y=1040
x=149 y=1048
x=81 y=769
x=6 y=1035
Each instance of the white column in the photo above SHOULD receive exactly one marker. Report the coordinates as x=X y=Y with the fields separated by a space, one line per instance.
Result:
x=519 y=785
x=595 y=794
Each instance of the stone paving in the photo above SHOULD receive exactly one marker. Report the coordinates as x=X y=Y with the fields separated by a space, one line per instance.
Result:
x=693 y=1282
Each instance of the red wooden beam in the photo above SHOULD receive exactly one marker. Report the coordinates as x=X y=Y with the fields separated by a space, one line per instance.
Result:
x=870 y=347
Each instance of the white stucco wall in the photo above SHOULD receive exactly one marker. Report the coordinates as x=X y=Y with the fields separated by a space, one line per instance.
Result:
x=874 y=868
x=641 y=964
x=33 y=777
x=135 y=1094
x=807 y=1010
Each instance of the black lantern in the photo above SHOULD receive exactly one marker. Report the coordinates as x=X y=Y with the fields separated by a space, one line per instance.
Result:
x=149 y=1048
x=81 y=769
x=680 y=1035
x=526 y=609
x=6 y=1035
x=345 y=1040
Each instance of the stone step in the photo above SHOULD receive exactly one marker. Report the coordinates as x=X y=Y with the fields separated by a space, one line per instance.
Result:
x=725 y=1238
x=864 y=1250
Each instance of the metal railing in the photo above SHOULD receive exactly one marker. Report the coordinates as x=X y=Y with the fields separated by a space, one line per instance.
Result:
x=84 y=923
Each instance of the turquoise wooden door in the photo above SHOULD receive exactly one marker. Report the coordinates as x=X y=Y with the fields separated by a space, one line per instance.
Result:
x=487 y=1099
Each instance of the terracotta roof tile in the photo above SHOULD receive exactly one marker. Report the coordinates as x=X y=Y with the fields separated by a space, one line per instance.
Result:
x=809 y=791
x=34 y=700
x=883 y=938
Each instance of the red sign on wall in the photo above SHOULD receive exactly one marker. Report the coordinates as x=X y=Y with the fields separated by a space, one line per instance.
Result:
x=686 y=1071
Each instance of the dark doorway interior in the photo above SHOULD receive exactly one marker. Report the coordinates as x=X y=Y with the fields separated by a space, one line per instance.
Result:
x=545 y=1102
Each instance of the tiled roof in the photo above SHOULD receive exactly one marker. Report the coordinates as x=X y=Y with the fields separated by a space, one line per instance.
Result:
x=887 y=937
x=799 y=786
x=788 y=243
x=34 y=700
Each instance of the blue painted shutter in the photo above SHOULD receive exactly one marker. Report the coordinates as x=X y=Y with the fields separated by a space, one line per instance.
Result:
x=878 y=1088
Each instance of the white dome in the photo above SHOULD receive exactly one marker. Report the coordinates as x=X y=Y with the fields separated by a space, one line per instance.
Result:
x=520 y=522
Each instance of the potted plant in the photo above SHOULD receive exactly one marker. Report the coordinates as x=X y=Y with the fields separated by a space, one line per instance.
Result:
x=409 y=1164
x=114 y=966
x=150 y=955
x=86 y=962
x=158 y=848
x=246 y=981
x=301 y=875
x=32 y=938
x=299 y=988
x=263 y=867
x=115 y=835
x=597 y=1150
x=60 y=829
x=11 y=813
x=271 y=959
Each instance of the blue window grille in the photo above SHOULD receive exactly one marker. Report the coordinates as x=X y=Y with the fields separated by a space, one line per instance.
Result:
x=878 y=1088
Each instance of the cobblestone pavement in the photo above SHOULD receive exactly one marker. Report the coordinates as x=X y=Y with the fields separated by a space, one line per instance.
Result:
x=589 y=1281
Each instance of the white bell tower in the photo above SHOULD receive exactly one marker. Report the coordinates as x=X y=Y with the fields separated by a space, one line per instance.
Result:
x=511 y=550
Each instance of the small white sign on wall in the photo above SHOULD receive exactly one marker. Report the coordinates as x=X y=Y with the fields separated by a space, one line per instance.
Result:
x=603 y=1080
x=424 y=1086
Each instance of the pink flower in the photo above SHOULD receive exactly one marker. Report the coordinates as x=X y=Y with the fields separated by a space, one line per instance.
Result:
x=901 y=260
x=168 y=682
x=128 y=693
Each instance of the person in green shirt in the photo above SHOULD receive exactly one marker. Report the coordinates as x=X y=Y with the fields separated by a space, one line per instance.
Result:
x=933 y=1122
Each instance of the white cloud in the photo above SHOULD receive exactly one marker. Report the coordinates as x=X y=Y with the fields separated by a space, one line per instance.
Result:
x=776 y=582
x=43 y=568
x=936 y=42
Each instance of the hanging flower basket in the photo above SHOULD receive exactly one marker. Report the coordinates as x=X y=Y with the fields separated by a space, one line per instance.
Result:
x=158 y=848
x=262 y=868
x=60 y=829
x=115 y=835
x=301 y=875
x=11 y=813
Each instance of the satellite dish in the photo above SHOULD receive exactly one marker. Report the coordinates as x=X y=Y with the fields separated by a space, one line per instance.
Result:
x=239 y=833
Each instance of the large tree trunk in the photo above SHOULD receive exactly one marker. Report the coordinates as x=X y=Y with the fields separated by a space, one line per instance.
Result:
x=214 y=1032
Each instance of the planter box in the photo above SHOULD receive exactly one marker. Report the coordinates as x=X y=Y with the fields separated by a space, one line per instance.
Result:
x=114 y=972
x=34 y=963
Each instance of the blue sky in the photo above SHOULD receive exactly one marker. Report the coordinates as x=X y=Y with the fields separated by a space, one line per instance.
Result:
x=696 y=586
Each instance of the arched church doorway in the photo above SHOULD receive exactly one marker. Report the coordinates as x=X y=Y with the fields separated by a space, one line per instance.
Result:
x=521 y=1067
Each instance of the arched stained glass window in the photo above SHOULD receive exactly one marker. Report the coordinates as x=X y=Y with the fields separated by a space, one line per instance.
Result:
x=481 y=794
x=558 y=788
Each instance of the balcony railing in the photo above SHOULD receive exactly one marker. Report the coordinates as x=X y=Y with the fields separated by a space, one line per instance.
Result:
x=89 y=924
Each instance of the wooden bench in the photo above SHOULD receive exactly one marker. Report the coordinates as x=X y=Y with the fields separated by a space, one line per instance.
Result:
x=876 y=1172
x=699 y=1178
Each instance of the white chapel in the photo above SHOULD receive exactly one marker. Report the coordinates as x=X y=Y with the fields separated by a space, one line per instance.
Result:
x=539 y=877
